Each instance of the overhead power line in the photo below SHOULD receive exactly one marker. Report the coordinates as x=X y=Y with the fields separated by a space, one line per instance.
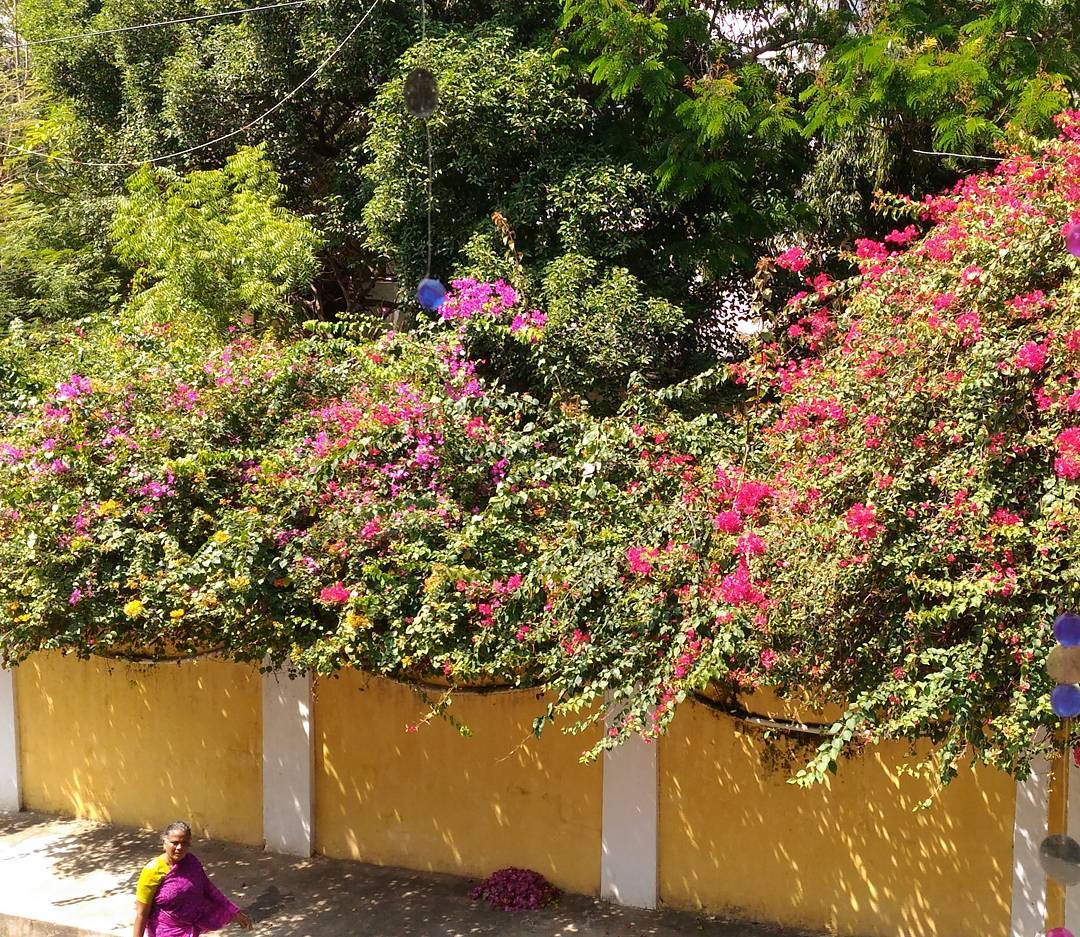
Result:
x=184 y=19
x=989 y=159
x=225 y=136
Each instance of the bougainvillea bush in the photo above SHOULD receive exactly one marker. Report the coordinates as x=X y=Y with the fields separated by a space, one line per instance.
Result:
x=897 y=530
x=920 y=452
x=876 y=507
x=908 y=485
x=129 y=516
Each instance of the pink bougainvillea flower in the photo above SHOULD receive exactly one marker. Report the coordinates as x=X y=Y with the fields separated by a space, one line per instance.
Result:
x=869 y=249
x=74 y=387
x=902 y=237
x=750 y=544
x=750 y=496
x=1003 y=518
x=862 y=521
x=969 y=325
x=1067 y=464
x=793 y=259
x=730 y=522
x=576 y=641
x=1031 y=356
x=640 y=559
x=738 y=588
x=336 y=594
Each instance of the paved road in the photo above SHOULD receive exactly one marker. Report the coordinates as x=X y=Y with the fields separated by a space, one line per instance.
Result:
x=73 y=878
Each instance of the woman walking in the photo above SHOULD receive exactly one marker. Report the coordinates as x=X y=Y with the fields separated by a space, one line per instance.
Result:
x=175 y=898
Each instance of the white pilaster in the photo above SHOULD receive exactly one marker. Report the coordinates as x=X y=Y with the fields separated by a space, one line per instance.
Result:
x=10 y=793
x=1029 y=829
x=1072 y=895
x=628 y=854
x=288 y=763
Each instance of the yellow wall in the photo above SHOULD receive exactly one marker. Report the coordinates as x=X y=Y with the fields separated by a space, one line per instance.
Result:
x=141 y=745
x=434 y=800
x=144 y=745
x=851 y=857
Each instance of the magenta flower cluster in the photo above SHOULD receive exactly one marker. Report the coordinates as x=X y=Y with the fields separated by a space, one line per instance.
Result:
x=473 y=299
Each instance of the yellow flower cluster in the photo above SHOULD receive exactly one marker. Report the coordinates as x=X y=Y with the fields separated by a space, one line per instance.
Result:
x=354 y=621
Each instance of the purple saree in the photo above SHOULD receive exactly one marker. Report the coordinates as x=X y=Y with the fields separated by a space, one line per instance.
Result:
x=188 y=904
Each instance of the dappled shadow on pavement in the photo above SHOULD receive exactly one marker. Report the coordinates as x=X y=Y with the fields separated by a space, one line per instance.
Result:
x=320 y=897
x=76 y=851
x=90 y=871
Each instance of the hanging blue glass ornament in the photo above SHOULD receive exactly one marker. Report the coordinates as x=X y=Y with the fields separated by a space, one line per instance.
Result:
x=1072 y=238
x=1067 y=629
x=430 y=294
x=421 y=93
x=1065 y=700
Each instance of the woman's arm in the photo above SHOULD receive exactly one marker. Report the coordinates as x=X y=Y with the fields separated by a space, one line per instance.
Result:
x=142 y=912
x=235 y=915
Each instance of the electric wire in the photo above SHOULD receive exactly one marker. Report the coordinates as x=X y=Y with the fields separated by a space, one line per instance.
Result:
x=991 y=159
x=184 y=19
x=430 y=197
x=225 y=136
x=427 y=136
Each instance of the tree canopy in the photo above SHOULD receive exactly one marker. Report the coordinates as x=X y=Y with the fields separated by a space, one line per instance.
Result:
x=677 y=142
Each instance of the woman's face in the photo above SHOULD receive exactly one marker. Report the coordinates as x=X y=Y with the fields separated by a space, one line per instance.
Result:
x=176 y=846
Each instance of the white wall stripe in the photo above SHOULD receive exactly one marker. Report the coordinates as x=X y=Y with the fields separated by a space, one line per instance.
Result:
x=1029 y=828
x=628 y=853
x=10 y=793
x=1072 y=895
x=288 y=763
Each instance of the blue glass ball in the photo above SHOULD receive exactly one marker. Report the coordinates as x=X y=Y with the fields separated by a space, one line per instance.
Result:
x=1067 y=629
x=1065 y=700
x=1072 y=238
x=431 y=294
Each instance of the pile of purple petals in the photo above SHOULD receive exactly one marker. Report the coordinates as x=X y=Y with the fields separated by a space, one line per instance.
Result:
x=515 y=890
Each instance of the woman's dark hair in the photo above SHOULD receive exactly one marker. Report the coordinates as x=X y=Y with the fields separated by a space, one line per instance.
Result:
x=177 y=826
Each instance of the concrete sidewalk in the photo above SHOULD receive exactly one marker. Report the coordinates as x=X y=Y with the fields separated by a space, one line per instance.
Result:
x=73 y=878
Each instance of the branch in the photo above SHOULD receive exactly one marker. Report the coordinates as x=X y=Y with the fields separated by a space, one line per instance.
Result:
x=779 y=45
x=791 y=726
x=171 y=659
